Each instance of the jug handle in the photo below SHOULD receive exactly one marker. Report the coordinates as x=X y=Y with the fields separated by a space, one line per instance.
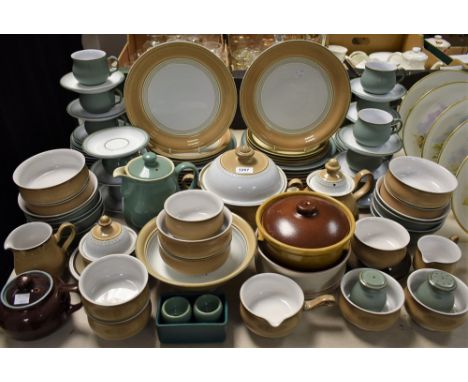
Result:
x=454 y=238
x=188 y=165
x=59 y=235
x=295 y=183
x=71 y=288
x=366 y=187
x=324 y=300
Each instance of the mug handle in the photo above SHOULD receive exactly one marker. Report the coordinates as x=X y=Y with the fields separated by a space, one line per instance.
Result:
x=71 y=236
x=188 y=165
x=366 y=187
x=397 y=124
x=324 y=300
x=120 y=94
x=295 y=183
x=71 y=288
x=113 y=63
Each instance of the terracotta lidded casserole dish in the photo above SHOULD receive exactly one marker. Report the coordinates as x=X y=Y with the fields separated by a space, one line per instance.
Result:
x=305 y=230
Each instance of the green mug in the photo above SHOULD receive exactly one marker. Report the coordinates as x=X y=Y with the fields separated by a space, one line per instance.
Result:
x=101 y=102
x=92 y=66
x=357 y=162
x=370 y=291
x=380 y=77
x=374 y=127
x=176 y=310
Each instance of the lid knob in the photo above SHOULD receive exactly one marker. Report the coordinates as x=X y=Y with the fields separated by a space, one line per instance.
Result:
x=372 y=279
x=24 y=283
x=106 y=229
x=245 y=154
x=442 y=281
x=307 y=208
x=332 y=171
x=416 y=49
x=150 y=159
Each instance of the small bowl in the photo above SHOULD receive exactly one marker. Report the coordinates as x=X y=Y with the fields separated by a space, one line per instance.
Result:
x=432 y=319
x=195 y=249
x=379 y=242
x=121 y=330
x=366 y=319
x=420 y=182
x=194 y=214
x=312 y=283
x=434 y=251
x=114 y=288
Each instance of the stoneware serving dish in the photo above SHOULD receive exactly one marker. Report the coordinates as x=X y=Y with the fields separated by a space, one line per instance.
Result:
x=304 y=230
x=379 y=242
x=420 y=182
x=434 y=251
x=367 y=319
x=114 y=288
x=272 y=304
x=428 y=317
x=51 y=177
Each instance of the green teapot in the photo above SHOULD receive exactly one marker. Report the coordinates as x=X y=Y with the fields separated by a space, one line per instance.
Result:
x=147 y=181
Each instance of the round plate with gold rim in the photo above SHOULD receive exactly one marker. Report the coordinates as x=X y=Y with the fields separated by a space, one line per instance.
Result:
x=427 y=83
x=182 y=94
x=243 y=249
x=455 y=149
x=442 y=127
x=425 y=112
x=295 y=95
x=460 y=196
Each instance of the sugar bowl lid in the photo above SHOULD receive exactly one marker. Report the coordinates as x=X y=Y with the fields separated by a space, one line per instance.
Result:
x=415 y=54
x=27 y=290
x=150 y=166
x=106 y=229
x=305 y=221
x=331 y=181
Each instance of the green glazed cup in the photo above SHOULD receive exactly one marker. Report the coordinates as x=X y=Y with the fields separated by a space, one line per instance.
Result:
x=93 y=126
x=358 y=161
x=374 y=127
x=370 y=291
x=364 y=104
x=176 y=310
x=379 y=77
x=92 y=67
x=101 y=102
x=437 y=292
x=207 y=308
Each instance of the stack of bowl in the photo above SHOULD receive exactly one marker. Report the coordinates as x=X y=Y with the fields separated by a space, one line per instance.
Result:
x=305 y=236
x=55 y=186
x=115 y=294
x=415 y=192
x=194 y=232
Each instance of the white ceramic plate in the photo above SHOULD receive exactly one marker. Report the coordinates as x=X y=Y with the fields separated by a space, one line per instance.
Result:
x=243 y=249
x=427 y=83
x=460 y=196
x=68 y=81
x=75 y=110
x=425 y=112
x=455 y=149
x=442 y=127
x=115 y=142
x=396 y=93
x=352 y=114
x=390 y=147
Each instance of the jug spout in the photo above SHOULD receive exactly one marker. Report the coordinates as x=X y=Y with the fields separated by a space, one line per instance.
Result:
x=274 y=321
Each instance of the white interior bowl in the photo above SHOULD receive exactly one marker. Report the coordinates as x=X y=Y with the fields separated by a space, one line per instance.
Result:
x=193 y=205
x=439 y=249
x=381 y=233
x=375 y=116
x=88 y=54
x=28 y=236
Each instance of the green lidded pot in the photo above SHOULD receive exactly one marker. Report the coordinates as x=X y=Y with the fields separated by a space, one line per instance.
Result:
x=147 y=181
x=370 y=291
x=437 y=292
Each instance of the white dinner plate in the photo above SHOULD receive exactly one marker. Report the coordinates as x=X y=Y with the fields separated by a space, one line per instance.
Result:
x=460 y=196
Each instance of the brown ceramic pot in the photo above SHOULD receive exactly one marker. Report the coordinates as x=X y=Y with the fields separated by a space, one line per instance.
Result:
x=35 y=304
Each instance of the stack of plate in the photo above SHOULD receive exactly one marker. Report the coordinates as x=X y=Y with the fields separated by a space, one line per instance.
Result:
x=76 y=143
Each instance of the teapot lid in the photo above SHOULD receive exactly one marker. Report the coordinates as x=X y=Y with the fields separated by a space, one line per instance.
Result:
x=439 y=42
x=150 y=166
x=27 y=289
x=244 y=161
x=372 y=279
x=415 y=54
x=106 y=229
x=331 y=181
x=305 y=221
x=442 y=281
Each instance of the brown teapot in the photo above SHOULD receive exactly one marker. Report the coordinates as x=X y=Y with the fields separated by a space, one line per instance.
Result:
x=35 y=304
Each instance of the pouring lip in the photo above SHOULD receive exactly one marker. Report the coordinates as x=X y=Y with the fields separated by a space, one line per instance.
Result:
x=9 y=238
x=128 y=174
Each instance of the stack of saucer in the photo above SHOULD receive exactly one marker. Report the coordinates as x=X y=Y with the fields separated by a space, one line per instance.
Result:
x=416 y=193
x=194 y=232
x=56 y=187
x=77 y=137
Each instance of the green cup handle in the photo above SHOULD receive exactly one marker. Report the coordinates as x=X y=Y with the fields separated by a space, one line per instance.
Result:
x=120 y=94
x=188 y=165
x=397 y=124
x=113 y=63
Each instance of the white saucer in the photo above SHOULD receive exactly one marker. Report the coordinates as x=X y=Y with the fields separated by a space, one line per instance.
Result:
x=68 y=81
x=352 y=114
x=396 y=93
x=75 y=109
x=393 y=145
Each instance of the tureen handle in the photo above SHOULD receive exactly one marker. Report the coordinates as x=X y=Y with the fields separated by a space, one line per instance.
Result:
x=366 y=187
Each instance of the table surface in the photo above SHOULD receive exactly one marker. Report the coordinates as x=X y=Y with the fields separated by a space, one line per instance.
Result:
x=323 y=327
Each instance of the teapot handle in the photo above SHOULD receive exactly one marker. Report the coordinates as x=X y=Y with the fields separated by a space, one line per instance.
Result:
x=188 y=165
x=71 y=288
x=71 y=236
x=324 y=300
x=366 y=187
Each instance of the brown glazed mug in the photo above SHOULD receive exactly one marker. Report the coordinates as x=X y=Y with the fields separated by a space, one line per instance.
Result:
x=36 y=247
x=35 y=304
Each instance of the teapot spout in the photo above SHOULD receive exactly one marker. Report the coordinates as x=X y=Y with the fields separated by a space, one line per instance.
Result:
x=120 y=172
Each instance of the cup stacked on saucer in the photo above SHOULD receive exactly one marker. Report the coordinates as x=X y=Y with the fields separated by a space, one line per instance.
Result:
x=194 y=232
x=55 y=186
x=114 y=147
x=415 y=192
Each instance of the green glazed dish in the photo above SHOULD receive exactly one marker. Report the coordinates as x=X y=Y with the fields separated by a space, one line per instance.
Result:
x=370 y=291
x=437 y=292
